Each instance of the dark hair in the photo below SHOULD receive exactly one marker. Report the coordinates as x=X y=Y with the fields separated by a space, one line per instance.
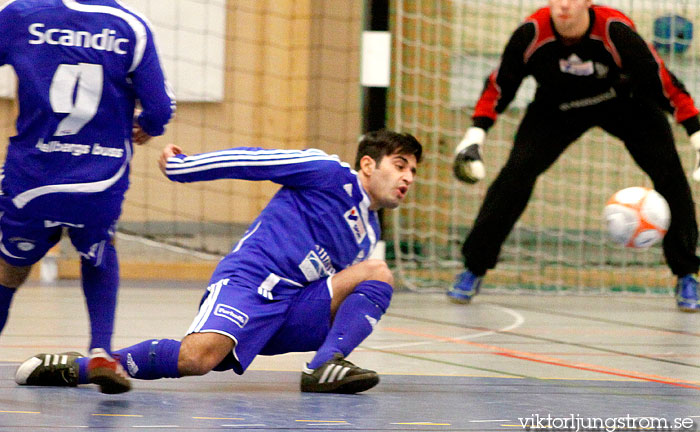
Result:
x=384 y=142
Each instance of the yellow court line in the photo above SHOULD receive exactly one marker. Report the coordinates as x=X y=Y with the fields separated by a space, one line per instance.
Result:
x=322 y=421
x=21 y=412
x=118 y=415
x=217 y=418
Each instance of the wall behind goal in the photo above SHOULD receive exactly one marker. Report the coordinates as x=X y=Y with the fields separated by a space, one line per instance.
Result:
x=290 y=80
x=443 y=54
x=191 y=38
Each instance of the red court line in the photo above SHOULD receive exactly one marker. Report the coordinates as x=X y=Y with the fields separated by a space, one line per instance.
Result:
x=630 y=375
x=523 y=355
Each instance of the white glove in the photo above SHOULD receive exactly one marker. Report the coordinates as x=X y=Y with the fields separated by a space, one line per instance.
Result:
x=468 y=166
x=695 y=141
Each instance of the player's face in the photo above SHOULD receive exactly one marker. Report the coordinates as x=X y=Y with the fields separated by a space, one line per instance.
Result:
x=390 y=180
x=570 y=17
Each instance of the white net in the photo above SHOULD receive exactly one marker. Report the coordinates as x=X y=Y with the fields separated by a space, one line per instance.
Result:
x=267 y=73
x=443 y=53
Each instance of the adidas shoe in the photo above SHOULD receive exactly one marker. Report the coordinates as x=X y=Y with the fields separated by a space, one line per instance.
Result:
x=107 y=372
x=687 y=294
x=466 y=286
x=337 y=375
x=49 y=370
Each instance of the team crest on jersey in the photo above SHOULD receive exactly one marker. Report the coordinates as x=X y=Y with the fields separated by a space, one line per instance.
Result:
x=316 y=264
x=232 y=314
x=575 y=66
x=352 y=217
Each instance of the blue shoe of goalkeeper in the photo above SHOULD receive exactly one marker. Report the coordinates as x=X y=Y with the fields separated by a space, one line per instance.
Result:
x=687 y=294
x=466 y=286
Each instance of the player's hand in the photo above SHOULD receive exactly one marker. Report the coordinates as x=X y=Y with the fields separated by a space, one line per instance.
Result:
x=468 y=166
x=138 y=135
x=695 y=141
x=169 y=151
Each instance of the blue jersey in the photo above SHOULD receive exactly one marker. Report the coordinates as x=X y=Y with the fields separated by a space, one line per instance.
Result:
x=317 y=224
x=81 y=66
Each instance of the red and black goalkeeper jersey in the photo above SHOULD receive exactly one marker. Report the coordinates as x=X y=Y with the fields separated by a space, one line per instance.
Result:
x=610 y=61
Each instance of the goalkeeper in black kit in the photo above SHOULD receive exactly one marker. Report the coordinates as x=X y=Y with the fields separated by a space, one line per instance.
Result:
x=592 y=69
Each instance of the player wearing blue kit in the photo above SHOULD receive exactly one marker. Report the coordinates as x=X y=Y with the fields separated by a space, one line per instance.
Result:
x=81 y=67
x=299 y=278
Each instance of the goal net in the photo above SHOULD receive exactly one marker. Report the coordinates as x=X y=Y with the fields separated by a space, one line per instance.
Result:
x=443 y=53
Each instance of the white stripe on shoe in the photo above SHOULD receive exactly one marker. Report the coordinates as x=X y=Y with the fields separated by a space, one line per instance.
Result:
x=336 y=369
x=326 y=372
x=342 y=373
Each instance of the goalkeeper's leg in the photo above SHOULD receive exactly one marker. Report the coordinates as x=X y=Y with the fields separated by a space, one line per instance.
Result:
x=648 y=138
x=542 y=136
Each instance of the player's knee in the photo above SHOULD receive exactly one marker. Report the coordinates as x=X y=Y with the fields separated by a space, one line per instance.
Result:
x=197 y=362
x=379 y=270
x=200 y=353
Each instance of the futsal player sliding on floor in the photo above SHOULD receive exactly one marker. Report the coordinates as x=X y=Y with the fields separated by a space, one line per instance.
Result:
x=299 y=278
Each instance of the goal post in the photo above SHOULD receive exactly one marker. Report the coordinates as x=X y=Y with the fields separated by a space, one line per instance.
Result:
x=443 y=52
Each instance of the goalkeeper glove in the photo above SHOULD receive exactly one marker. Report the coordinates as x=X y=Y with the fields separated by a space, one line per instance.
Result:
x=695 y=141
x=467 y=165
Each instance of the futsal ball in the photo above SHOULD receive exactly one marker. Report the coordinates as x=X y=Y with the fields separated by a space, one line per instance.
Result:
x=637 y=217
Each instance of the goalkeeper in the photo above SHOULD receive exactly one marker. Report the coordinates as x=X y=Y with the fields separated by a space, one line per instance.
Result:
x=592 y=69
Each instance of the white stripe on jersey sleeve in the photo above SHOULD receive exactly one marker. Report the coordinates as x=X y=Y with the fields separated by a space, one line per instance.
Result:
x=253 y=154
x=241 y=150
x=136 y=25
x=239 y=157
x=195 y=161
x=182 y=169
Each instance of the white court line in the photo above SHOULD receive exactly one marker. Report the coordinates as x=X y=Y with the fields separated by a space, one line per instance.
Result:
x=156 y=426
x=519 y=320
x=488 y=421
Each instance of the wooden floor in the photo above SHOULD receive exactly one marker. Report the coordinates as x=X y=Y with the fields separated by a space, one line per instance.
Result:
x=502 y=363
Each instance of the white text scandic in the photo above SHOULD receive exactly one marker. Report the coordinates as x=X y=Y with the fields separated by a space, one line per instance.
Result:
x=103 y=41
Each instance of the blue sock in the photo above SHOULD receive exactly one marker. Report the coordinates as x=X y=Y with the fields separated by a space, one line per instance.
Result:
x=100 y=286
x=5 y=301
x=147 y=360
x=354 y=320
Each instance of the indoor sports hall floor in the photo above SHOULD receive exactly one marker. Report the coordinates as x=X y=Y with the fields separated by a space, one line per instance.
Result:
x=504 y=361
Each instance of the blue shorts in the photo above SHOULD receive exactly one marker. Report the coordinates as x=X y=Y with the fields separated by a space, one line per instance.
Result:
x=25 y=240
x=259 y=325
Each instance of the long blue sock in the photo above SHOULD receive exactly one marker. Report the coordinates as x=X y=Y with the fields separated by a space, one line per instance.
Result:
x=100 y=286
x=354 y=320
x=5 y=301
x=147 y=360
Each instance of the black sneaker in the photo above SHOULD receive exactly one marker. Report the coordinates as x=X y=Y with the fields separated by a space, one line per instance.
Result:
x=338 y=375
x=49 y=370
